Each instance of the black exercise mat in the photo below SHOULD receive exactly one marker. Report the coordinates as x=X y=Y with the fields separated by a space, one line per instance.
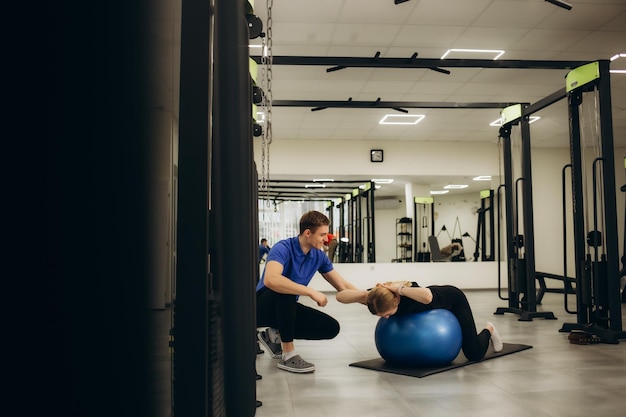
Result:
x=379 y=364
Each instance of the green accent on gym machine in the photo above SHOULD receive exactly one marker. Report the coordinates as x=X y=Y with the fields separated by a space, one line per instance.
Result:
x=511 y=113
x=582 y=75
x=424 y=200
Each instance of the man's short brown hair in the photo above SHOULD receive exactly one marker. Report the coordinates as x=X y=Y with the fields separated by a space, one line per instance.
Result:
x=312 y=220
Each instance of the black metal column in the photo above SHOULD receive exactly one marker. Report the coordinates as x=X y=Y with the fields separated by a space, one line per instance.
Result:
x=358 y=227
x=597 y=276
x=529 y=232
x=521 y=272
x=610 y=200
x=371 y=224
x=342 y=231
x=233 y=251
x=191 y=324
x=584 y=307
x=505 y=134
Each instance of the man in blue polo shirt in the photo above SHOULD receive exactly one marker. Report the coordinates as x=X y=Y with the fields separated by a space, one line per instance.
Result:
x=289 y=268
x=264 y=249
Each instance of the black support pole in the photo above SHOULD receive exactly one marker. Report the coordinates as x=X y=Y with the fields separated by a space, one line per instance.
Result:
x=521 y=272
x=597 y=277
x=191 y=324
x=505 y=134
x=233 y=251
x=527 y=214
x=584 y=309
x=529 y=233
x=610 y=201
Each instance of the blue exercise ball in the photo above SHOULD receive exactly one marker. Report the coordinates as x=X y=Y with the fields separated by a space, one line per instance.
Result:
x=430 y=338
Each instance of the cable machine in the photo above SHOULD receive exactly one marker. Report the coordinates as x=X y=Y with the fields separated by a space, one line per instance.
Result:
x=596 y=249
x=423 y=227
x=622 y=272
x=484 y=228
x=520 y=252
x=357 y=224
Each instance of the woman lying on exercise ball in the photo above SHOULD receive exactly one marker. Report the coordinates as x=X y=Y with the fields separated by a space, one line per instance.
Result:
x=403 y=297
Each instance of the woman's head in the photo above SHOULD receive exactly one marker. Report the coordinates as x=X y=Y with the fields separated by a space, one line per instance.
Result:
x=382 y=301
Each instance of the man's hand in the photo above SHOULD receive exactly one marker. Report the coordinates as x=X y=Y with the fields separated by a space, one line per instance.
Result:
x=319 y=298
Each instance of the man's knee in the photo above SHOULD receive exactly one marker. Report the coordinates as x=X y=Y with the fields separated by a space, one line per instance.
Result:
x=333 y=328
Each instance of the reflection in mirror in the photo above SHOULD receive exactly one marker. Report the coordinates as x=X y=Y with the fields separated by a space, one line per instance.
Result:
x=363 y=221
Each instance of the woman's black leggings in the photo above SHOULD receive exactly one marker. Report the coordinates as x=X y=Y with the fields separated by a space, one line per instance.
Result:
x=293 y=319
x=453 y=299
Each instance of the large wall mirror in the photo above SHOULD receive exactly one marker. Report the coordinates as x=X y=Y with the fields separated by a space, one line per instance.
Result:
x=392 y=227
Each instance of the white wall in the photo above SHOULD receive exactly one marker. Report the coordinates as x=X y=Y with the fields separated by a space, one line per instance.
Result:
x=386 y=231
x=464 y=275
x=401 y=158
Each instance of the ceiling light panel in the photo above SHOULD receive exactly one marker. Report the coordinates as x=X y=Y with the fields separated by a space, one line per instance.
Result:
x=473 y=53
x=618 y=63
x=401 y=119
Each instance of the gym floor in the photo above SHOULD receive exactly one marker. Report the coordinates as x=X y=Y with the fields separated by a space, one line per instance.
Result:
x=553 y=379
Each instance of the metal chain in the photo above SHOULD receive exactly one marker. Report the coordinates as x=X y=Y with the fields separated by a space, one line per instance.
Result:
x=597 y=143
x=500 y=179
x=266 y=60
x=263 y=83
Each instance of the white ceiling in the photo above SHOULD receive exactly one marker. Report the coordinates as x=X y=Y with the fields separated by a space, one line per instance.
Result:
x=525 y=29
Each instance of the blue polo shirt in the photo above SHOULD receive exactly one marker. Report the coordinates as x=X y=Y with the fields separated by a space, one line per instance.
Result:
x=297 y=266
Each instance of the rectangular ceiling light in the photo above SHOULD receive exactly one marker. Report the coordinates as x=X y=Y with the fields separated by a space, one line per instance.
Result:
x=498 y=122
x=382 y=180
x=455 y=186
x=439 y=192
x=615 y=57
x=482 y=178
x=323 y=180
x=315 y=186
x=474 y=53
x=401 y=119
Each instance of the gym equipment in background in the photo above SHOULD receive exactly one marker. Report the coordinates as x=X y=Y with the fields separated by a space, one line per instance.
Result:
x=594 y=203
x=423 y=227
x=485 y=240
x=520 y=248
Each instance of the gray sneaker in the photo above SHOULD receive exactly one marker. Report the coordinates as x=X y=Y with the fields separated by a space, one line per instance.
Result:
x=274 y=349
x=297 y=365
